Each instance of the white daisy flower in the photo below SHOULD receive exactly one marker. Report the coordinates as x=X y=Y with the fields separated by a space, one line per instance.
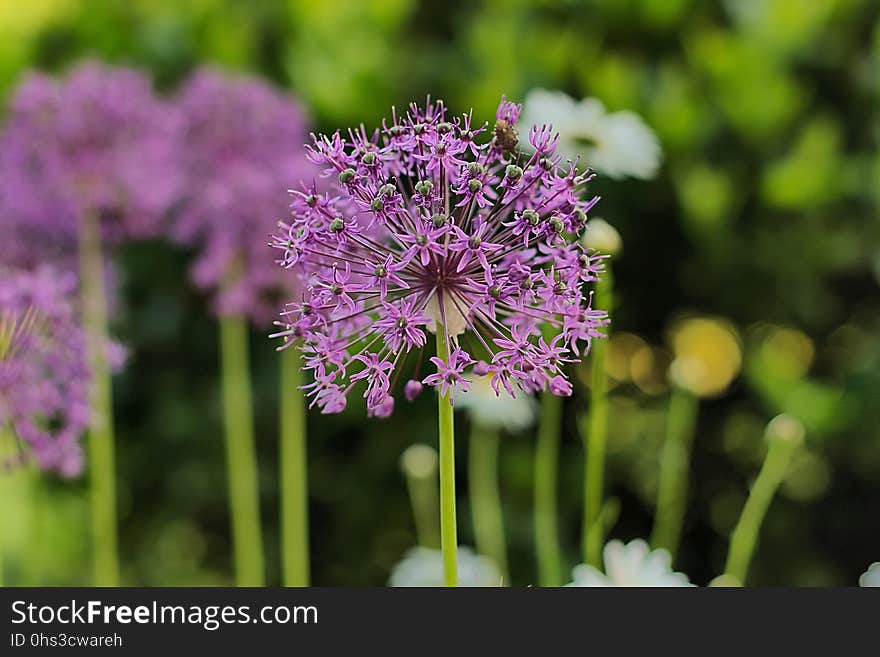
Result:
x=423 y=566
x=871 y=577
x=617 y=144
x=633 y=564
x=491 y=410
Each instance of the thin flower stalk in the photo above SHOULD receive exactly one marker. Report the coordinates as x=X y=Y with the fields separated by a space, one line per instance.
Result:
x=674 y=471
x=784 y=435
x=294 y=485
x=102 y=449
x=241 y=458
x=485 y=496
x=593 y=537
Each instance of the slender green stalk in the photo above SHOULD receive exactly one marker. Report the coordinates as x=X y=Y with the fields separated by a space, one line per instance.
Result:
x=488 y=517
x=36 y=502
x=5 y=496
x=780 y=449
x=294 y=483
x=597 y=434
x=419 y=463
x=448 y=527
x=546 y=475
x=244 y=502
x=674 y=470
x=102 y=469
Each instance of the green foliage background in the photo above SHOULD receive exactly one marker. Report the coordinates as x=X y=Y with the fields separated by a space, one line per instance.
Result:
x=765 y=212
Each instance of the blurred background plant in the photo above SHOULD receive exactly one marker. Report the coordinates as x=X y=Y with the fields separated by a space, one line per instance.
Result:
x=764 y=212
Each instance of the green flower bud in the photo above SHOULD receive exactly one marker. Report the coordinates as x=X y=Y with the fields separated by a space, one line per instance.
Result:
x=786 y=429
x=532 y=217
x=424 y=187
x=475 y=168
x=419 y=461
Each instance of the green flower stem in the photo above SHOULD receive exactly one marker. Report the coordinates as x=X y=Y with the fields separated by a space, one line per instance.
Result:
x=241 y=457
x=485 y=497
x=6 y=487
x=674 y=470
x=37 y=501
x=745 y=534
x=102 y=470
x=546 y=474
x=448 y=530
x=294 y=483
x=423 y=497
x=597 y=434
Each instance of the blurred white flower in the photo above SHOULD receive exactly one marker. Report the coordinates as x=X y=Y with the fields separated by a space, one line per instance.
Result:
x=423 y=566
x=617 y=144
x=633 y=564
x=871 y=577
x=491 y=410
x=419 y=461
x=602 y=237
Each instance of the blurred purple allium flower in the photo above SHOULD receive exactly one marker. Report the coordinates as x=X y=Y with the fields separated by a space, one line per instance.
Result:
x=97 y=141
x=432 y=225
x=43 y=372
x=243 y=145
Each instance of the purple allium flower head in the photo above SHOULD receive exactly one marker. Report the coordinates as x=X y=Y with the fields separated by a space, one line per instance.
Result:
x=43 y=372
x=440 y=225
x=243 y=147
x=97 y=141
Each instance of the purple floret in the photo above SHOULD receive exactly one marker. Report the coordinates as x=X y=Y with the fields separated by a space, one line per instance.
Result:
x=43 y=373
x=242 y=145
x=98 y=142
